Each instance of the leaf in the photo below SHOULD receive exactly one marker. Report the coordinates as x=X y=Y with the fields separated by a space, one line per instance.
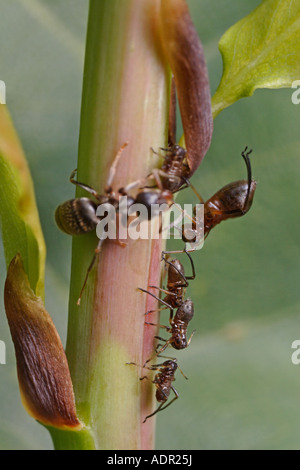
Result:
x=260 y=51
x=185 y=55
x=43 y=372
x=21 y=231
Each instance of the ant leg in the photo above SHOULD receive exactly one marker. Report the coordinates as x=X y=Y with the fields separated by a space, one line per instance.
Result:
x=162 y=406
x=84 y=186
x=157 y=324
x=192 y=265
x=190 y=338
x=167 y=342
x=156 y=310
x=190 y=258
x=157 y=298
x=96 y=253
x=164 y=290
x=112 y=172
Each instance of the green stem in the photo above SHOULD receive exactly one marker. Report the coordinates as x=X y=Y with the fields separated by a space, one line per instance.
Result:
x=125 y=94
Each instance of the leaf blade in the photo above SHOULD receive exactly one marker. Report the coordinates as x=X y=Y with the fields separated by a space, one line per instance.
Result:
x=19 y=219
x=259 y=51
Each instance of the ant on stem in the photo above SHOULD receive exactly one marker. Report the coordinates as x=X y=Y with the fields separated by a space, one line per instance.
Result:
x=163 y=382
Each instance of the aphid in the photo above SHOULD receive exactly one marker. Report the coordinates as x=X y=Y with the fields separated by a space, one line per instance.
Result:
x=78 y=216
x=163 y=382
x=178 y=325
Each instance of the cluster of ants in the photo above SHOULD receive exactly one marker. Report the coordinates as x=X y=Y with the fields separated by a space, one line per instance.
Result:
x=78 y=216
x=233 y=200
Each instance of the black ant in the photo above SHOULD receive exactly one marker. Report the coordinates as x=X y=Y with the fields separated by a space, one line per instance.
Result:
x=78 y=216
x=163 y=382
x=172 y=176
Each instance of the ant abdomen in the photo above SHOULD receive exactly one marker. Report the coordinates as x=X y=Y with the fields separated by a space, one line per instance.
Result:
x=77 y=216
x=234 y=199
x=185 y=312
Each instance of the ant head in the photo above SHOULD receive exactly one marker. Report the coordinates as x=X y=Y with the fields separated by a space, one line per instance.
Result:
x=178 y=151
x=179 y=341
x=171 y=364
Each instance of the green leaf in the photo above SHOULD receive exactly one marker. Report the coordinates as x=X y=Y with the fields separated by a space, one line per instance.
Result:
x=260 y=51
x=21 y=231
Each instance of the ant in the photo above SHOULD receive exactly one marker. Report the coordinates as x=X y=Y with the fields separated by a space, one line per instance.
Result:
x=176 y=284
x=77 y=216
x=231 y=201
x=163 y=382
x=178 y=325
x=172 y=176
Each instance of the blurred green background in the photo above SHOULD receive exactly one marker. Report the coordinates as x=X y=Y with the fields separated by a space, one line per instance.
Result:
x=243 y=390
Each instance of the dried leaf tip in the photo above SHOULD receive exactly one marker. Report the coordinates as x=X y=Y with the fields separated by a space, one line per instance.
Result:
x=43 y=372
x=184 y=53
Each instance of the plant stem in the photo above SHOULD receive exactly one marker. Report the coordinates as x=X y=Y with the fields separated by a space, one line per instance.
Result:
x=125 y=94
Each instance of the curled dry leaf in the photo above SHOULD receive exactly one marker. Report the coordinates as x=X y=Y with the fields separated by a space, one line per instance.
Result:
x=184 y=52
x=43 y=372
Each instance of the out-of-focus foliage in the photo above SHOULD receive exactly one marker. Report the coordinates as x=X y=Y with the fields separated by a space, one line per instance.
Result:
x=243 y=389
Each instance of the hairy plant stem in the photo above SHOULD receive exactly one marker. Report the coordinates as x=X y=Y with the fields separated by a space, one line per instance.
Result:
x=125 y=98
